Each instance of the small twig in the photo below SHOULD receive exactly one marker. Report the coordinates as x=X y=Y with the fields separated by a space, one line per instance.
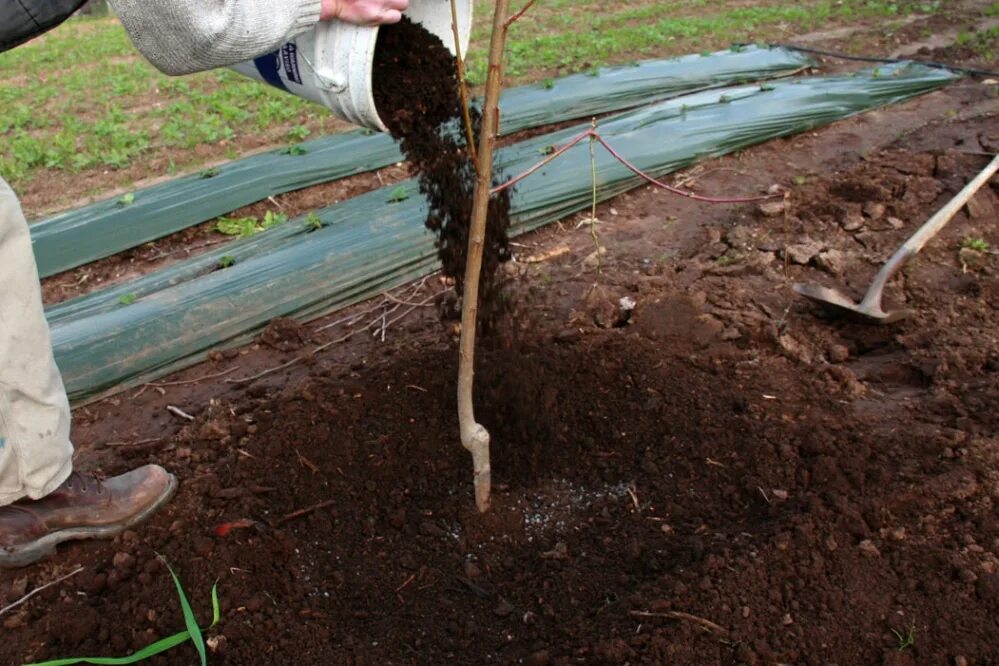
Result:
x=185 y=382
x=686 y=617
x=519 y=15
x=269 y=371
x=417 y=388
x=554 y=253
x=634 y=498
x=306 y=462
x=39 y=589
x=402 y=302
x=306 y=511
x=141 y=442
x=177 y=411
x=405 y=584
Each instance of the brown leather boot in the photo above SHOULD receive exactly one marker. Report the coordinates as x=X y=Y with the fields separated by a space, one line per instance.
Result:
x=81 y=508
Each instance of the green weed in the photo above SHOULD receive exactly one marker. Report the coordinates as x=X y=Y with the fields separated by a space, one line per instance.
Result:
x=906 y=640
x=244 y=227
x=313 y=222
x=192 y=633
x=976 y=244
x=398 y=195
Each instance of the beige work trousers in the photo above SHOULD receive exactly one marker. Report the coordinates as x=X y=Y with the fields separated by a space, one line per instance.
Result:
x=36 y=455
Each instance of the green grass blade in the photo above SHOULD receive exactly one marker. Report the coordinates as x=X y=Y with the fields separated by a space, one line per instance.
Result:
x=189 y=620
x=216 y=611
x=159 y=646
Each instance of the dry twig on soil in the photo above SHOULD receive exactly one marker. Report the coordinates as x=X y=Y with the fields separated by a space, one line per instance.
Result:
x=304 y=512
x=685 y=617
x=35 y=591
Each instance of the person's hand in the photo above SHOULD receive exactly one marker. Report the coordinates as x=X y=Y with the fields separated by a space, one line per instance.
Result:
x=363 y=12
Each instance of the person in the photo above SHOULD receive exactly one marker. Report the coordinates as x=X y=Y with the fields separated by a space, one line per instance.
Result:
x=43 y=500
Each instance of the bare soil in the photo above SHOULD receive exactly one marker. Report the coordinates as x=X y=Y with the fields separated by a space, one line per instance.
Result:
x=730 y=475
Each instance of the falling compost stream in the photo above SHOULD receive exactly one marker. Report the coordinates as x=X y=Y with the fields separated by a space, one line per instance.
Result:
x=416 y=92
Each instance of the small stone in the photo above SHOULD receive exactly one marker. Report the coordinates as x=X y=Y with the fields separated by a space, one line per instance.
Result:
x=504 y=608
x=18 y=588
x=540 y=658
x=874 y=210
x=787 y=620
x=472 y=570
x=852 y=221
x=773 y=208
x=967 y=576
x=838 y=353
x=730 y=333
x=897 y=534
x=559 y=552
x=779 y=495
x=831 y=544
x=960 y=661
x=831 y=261
x=802 y=253
x=739 y=237
x=123 y=561
x=216 y=643
x=868 y=549
x=896 y=223
x=745 y=611
x=14 y=621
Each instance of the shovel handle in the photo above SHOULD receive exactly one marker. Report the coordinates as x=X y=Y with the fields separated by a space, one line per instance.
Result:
x=933 y=226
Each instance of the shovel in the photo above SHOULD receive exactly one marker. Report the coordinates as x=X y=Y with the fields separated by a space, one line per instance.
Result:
x=870 y=309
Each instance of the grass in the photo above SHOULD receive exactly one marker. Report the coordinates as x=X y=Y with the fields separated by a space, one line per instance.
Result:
x=976 y=244
x=906 y=640
x=192 y=633
x=80 y=100
x=244 y=227
x=985 y=43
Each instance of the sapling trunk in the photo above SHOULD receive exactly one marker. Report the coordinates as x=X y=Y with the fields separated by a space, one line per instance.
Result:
x=474 y=436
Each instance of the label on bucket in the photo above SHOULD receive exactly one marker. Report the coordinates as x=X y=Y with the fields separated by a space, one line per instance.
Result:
x=280 y=66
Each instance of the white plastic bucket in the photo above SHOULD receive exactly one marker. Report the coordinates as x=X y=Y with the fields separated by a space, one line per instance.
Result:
x=332 y=63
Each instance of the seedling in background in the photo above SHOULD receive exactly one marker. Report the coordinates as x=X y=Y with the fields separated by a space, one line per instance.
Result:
x=298 y=132
x=906 y=640
x=976 y=244
x=398 y=194
x=244 y=227
x=313 y=222
x=193 y=633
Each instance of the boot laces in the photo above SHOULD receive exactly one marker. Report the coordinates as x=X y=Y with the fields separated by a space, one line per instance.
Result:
x=84 y=483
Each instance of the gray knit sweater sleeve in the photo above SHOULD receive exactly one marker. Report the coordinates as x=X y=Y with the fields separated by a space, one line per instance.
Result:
x=185 y=36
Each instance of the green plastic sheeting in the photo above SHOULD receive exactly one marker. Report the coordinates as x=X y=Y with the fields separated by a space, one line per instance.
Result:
x=105 y=228
x=369 y=245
